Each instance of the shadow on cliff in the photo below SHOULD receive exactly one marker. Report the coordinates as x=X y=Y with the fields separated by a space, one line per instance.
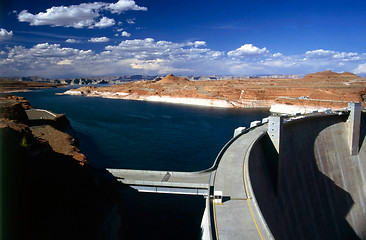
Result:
x=363 y=129
x=47 y=195
x=296 y=199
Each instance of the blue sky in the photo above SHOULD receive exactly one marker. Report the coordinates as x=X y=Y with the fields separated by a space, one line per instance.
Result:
x=67 y=38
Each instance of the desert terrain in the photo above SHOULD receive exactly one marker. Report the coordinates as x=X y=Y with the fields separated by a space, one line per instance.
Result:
x=317 y=90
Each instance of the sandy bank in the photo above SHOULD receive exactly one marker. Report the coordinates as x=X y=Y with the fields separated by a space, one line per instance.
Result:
x=293 y=109
x=174 y=100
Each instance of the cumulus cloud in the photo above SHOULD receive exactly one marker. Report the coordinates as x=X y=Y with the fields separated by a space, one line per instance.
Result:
x=79 y=16
x=319 y=53
x=4 y=34
x=130 y=21
x=64 y=62
x=124 y=5
x=98 y=39
x=105 y=22
x=125 y=34
x=197 y=43
x=148 y=56
x=247 y=50
x=332 y=55
x=71 y=40
x=361 y=69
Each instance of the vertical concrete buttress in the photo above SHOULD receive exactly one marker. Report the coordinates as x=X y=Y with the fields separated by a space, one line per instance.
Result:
x=275 y=128
x=354 y=123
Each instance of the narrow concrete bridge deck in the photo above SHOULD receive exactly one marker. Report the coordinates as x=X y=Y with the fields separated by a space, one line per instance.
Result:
x=164 y=181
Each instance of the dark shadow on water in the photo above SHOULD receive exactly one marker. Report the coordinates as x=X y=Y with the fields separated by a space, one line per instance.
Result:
x=162 y=216
x=91 y=150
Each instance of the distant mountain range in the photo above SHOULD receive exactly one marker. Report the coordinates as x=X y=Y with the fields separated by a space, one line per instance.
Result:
x=83 y=80
x=132 y=78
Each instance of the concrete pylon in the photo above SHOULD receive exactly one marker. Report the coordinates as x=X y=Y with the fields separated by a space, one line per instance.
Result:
x=275 y=130
x=354 y=127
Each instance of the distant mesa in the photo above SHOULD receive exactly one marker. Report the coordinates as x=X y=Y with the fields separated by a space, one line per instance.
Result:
x=169 y=79
x=330 y=75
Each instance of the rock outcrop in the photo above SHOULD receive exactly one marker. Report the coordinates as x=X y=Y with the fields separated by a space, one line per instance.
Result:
x=326 y=75
x=48 y=189
x=171 y=79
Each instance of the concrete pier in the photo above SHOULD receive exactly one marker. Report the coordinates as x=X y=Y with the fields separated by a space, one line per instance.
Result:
x=354 y=122
x=275 y=130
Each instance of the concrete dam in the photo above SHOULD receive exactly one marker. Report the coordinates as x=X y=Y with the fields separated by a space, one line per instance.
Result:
x=312 y=185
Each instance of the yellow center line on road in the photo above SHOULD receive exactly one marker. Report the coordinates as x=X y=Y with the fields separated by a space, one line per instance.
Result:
x=247 y=192
x=214 y=210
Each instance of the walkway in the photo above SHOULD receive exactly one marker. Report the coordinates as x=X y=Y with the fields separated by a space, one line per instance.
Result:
x=37 y=114
x=235 y=217
x=164 y=181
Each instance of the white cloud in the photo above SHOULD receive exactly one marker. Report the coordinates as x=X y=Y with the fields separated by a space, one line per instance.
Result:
x=148 y=56
x=64 y=62
x=98 y=39
x=277 y=55
x=361 y=69
x=319 y=53
x=331 y=55
x=4 y=34
x=125 y=34
x=71 y=40
x=197 y=44
x=247 y=50
x=79 y=16
x=130 y=21
x=42 y=59
x=125 y=5
x=105 y=22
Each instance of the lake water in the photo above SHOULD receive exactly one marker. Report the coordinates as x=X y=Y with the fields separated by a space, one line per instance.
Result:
x=144 y=135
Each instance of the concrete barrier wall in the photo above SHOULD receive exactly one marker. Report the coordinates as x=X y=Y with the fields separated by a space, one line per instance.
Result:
x=314 y=189
x=206 y=229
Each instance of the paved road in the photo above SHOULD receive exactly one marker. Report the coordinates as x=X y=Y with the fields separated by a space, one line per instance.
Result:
x=236 y=217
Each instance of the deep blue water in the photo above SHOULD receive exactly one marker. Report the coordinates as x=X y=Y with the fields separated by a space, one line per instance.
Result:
x=144 y=135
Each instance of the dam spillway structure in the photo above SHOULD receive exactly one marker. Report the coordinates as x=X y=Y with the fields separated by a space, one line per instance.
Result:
x=308 y=176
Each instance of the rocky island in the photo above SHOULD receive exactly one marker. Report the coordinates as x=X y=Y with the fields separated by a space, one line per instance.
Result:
x=315 y=91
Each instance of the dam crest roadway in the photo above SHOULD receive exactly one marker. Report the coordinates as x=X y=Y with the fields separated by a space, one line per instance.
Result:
x=285 y=177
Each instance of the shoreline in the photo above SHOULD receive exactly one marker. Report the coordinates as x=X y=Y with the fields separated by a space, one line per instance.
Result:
x=278 y=108
x=173 y=100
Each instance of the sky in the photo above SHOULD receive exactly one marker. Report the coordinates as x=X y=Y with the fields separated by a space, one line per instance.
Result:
x=81 y=38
